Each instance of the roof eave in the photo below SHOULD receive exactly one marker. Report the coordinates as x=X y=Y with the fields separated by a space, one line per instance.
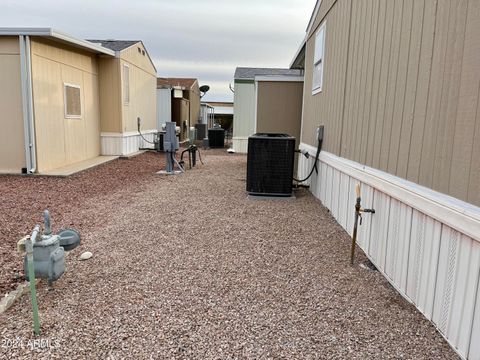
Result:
x=313 y=16
x=298 y=61
x=58 y=36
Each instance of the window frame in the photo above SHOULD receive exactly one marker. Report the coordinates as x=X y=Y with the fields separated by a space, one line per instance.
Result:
x=71 y=116
x=317 y=88
x=126 y=86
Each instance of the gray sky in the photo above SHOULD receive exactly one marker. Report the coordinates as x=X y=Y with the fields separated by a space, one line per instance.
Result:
x=185 y=38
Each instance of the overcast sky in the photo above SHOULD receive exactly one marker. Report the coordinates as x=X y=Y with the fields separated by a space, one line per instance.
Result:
x=185 y=38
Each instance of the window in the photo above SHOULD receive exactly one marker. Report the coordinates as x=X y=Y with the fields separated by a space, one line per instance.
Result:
x=126 y=84
x=73 y=104
x=318 y=60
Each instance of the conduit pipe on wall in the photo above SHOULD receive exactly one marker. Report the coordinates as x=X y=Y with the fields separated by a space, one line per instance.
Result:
x=27 y=102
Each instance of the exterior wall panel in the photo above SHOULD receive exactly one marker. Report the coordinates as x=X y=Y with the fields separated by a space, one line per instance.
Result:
x=243 y=115
x=12 y=151
x=164 y=106
x=194 y=98
x=134 y=57
x=110 y=95
x=60 y=140
x=279 y=107
x=432 y=265
x=401 y=89
x=326 y=107
x=143 y=102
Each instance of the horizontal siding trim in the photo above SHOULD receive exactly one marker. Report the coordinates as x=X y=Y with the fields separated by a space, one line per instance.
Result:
x=280 y=78
x=455 y=213
x=238 y=81
x=127 y=133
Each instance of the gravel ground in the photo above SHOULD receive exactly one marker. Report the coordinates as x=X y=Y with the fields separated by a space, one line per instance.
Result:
x=23 y=200
x=188 y=267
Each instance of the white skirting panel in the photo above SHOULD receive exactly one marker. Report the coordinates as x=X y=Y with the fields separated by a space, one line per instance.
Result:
x=125 y=143
x=426 y=244
x=240 y=144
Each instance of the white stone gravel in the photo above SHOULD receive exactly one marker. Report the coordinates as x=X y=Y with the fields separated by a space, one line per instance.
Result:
x=188 y=267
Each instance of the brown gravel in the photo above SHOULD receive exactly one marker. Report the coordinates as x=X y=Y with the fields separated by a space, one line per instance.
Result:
x=189 y=267
x=23 y=200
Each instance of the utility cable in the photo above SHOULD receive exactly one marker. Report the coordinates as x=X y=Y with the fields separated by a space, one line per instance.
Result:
x=138 y=128
x=314 y=167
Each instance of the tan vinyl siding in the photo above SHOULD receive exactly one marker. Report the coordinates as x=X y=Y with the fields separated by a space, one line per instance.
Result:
x=12 y=151
x=143 y=86
x=409 y=103
x=142 y=102
x=326 y=107
x=60 y=140
x=194 y=97
x=132 y=56
x=110 y=95
x=324 y=9
x=279 y=107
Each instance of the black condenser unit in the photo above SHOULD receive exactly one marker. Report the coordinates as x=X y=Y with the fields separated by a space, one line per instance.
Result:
x=270 y=164
x=216 y=137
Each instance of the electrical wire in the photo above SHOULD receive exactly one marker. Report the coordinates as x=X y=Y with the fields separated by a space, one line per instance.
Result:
x=314 y=167
x=150 y=142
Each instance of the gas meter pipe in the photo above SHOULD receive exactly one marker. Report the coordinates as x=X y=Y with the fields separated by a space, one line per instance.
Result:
x=31 y=278
x=358 y=216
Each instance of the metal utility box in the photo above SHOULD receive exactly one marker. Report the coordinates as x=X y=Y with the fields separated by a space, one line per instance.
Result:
x=216 y=137
x=270 y=164
x=48 y=258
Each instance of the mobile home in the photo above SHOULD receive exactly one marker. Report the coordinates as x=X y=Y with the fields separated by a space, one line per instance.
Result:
x=266 y=100
x=127 y=92
x=62 y=95
x=179 y=100
x=396 y=86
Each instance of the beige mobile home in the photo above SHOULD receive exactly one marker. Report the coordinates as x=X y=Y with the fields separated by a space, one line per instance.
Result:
x=127 y=92
x=50 y=100
x=62 y=96
x=396 y=84
x=266 y=100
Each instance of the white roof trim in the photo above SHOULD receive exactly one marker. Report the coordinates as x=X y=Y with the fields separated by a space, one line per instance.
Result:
x=299 y=50
x=314 y=16
x=292 y=78
x=57 y=35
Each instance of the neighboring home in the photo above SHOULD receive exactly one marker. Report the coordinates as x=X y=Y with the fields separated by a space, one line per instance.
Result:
x=178 y=100
x=127 y=92
x=268 y=101
x=223 y=113
x=60 y=95
x=396 y=84
x=207 y=114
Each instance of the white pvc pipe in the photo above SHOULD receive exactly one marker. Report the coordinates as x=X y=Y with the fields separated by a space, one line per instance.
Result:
x=27 y=103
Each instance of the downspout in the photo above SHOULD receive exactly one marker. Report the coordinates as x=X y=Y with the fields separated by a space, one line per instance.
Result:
x=27 y=102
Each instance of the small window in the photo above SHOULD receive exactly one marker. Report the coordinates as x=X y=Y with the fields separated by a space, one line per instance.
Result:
x=318 y=60
x=139 y=50
x=126 y=84
x=73 y=104
x=143 y=52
